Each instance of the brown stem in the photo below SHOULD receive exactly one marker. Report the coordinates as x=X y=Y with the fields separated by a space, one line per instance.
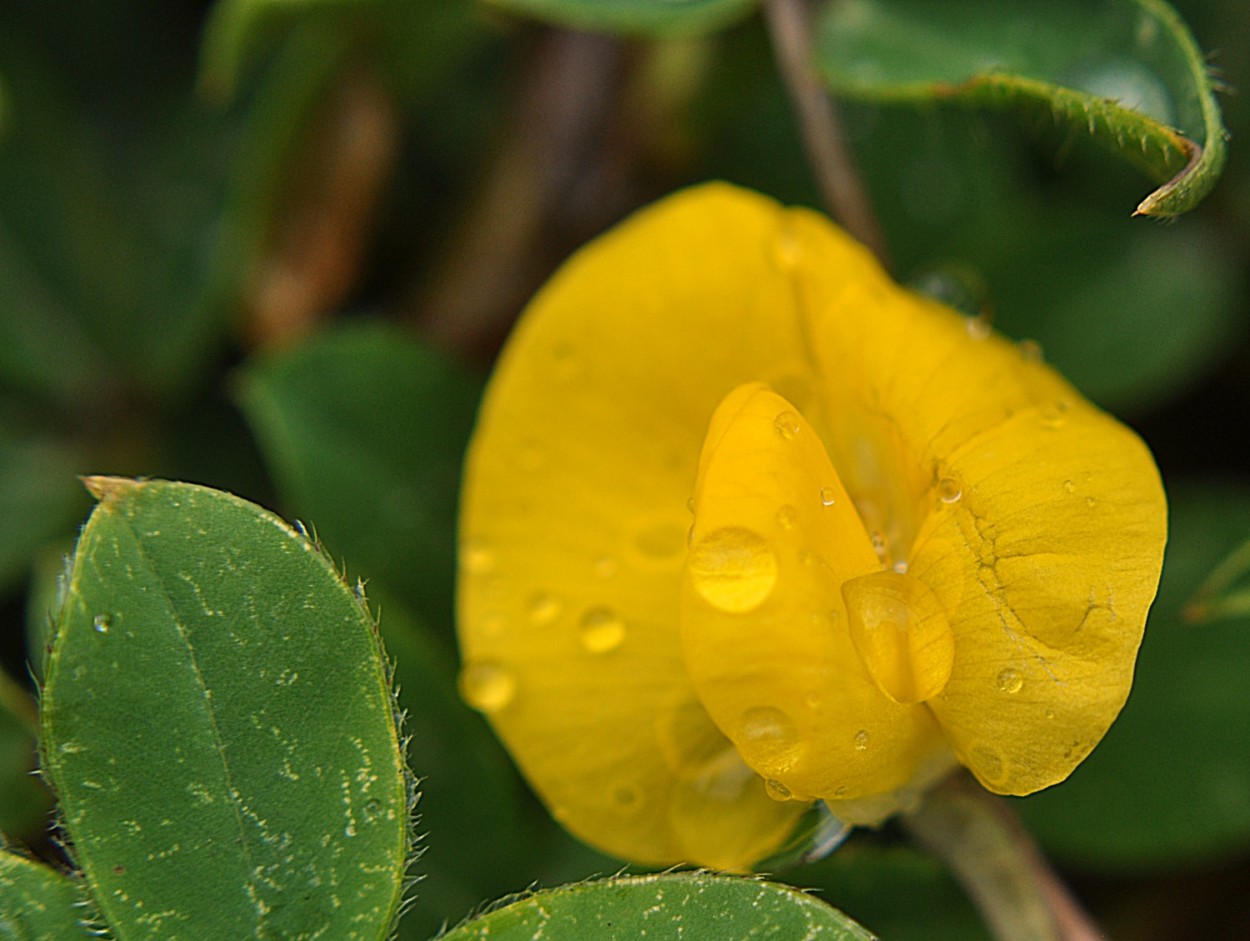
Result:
x=790 y=26
x=999 y=865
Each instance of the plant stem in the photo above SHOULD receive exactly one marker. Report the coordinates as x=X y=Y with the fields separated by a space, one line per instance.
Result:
x=999 y=865
x=790 y=27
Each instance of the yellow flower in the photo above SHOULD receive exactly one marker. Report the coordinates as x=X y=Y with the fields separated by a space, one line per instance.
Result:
x=746 y=526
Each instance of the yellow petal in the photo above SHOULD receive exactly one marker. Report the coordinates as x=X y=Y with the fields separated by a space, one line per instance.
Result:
x=1062 y=511
x=574 y=517
x=764 y=625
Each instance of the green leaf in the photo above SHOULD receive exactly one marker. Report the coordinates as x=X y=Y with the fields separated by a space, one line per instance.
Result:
x=365 y=429
x=685 y=906
x=219 y=728
x=646 y=17
x=38 y=903
x=24 y=802
x=1126 y=71
x=1170 y=784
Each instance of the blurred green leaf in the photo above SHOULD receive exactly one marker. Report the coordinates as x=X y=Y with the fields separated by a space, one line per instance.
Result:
x=412 y=43
x=866 y=881
x=1127 y=71
x=685 y=906
x=1132 y=314
x=365 y=429
x=647 y=17
x=218 y=726
x=24 y=802
x=38 y=903
x=40 y=498
x=1170 y=784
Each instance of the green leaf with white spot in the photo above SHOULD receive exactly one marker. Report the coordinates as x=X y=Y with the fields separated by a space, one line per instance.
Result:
x=219 y=729
x=639 y=17
x=38 y=903
x=671 y=907
x=1128 y=72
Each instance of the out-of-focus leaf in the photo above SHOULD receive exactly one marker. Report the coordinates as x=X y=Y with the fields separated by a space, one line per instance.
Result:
x=867 y=881
x=365 y=430
x=671 y=907
x=1132 y=314
x=24 y=802
x=1170 y=784
x=646 y=17
x=411 y=43
x=219 y=728
x=40 y=498
x=1126 y=71
x=38 y=903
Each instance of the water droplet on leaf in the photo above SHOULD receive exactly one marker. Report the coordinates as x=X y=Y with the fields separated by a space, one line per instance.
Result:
x=102 y=623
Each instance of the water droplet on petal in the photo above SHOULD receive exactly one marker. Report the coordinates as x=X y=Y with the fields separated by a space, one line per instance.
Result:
x=901 y=633
x=787 y=424
x=544 y=609
x=102 y=623
x=879 y=545
x=1009 y=681
x=602 y=630
x=861 y=740
x=787 y=516
x=733 y=569
x=826 y=496
x=476 y=557
x=1053 y=416
x=949 y=490
x=1031 y=351
x=776 y=790
x=689 y=504
x=768 y=739
x=1069 y=486
x=487 y=686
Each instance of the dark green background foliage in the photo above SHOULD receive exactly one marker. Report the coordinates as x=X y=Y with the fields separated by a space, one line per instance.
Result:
x=273 y=248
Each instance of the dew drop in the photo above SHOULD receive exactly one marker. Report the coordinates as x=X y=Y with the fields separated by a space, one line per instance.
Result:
x=787 y=424
x=861 y=740
x=776 y=790
x=487 y=686
x=767 y=738
x=979 y=327
x=476 y=557
x=826 y=496
x=787 y=517
x=733 y=569
x=1009 y=681
x=544 y=609
x=690 y=504
x=879 y=545
x=1030 y=351
x=102 y=623
x=949 y=490
x=602 y=630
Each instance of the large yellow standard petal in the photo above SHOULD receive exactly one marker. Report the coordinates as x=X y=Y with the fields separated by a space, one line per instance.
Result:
x=998 y=539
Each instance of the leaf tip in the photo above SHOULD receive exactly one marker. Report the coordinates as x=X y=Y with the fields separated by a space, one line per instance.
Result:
x=103 y=487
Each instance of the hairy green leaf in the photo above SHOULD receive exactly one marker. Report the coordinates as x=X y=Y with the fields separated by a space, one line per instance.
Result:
x=218 y=726
x=1126 y=71
x=38 y=903
x=685 y=906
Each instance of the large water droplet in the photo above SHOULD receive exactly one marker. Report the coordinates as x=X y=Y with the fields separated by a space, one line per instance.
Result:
x=602 y=630
x=1009 y=681
x=487 y=686
x=102 y=623
x=733 y=569
x=787 y=424
x=901 y=633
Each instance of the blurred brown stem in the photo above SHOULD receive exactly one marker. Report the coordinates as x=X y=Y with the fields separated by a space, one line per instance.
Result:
x=990 y=853
x=790 y=27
